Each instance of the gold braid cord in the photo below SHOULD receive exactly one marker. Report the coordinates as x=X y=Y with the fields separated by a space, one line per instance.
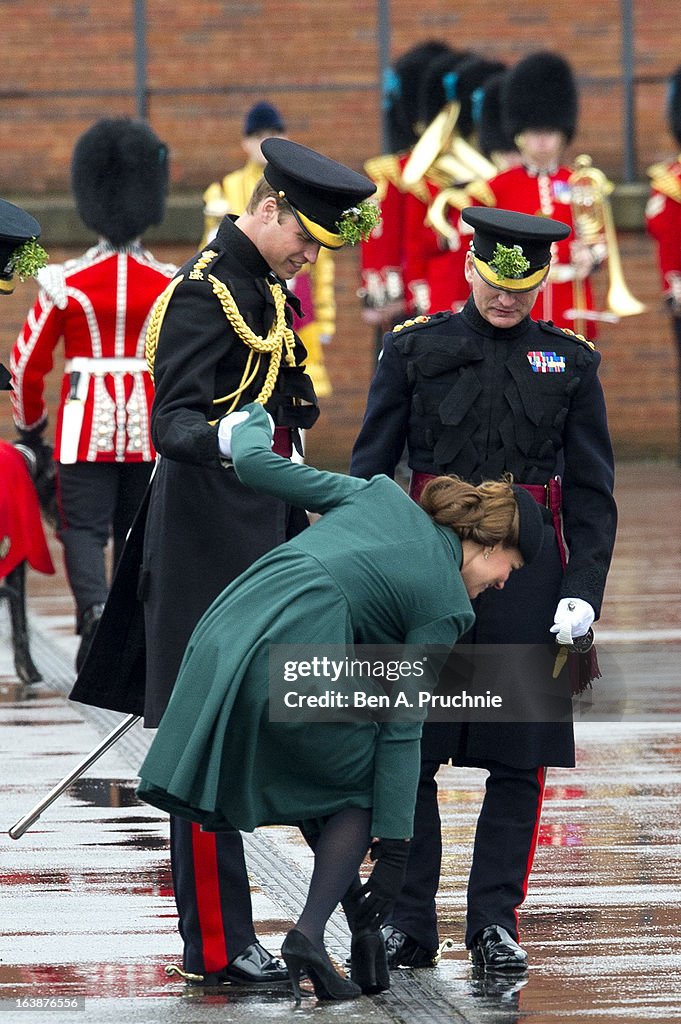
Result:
x=155 y=320
x=280 y=339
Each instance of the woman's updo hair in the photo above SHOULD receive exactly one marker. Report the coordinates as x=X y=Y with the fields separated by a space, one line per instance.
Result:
x=487 y=514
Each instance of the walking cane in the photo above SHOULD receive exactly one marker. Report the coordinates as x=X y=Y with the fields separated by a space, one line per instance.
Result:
x=17 y=830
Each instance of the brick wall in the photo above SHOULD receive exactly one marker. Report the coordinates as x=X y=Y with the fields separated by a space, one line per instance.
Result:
x=209 y=61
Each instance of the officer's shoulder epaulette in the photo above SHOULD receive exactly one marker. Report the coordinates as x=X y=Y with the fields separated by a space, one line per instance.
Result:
x=197 y=273
x=52 y=280
x=551 y=328
x=481 y=191
x=664 y=178
x=384 y=170
x=417 y=322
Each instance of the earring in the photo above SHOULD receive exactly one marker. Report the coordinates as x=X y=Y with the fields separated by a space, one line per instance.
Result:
x=485 y=555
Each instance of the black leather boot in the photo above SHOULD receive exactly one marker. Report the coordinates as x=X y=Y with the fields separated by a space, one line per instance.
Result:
x=15 y=591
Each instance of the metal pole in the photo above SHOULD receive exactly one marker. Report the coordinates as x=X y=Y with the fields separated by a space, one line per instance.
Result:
x=141 y=59
x=384 y=26
x=17 y=830
x=629 y=144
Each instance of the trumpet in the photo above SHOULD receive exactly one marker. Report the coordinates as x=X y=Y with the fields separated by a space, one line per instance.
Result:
x=444 y=154
x=594 y=225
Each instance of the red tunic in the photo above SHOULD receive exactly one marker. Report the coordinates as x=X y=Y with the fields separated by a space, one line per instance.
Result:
x=99 y=304
x=663 y=219
x=382 y=255
x=433 y=260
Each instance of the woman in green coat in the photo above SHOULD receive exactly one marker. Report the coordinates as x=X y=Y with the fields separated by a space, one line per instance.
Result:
x=376 y=569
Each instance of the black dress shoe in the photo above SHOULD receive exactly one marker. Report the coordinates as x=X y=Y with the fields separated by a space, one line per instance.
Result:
x=403 y=951
x=253 y=966
x=495 y=950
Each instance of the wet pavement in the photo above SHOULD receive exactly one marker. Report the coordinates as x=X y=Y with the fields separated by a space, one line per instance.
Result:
x=87 y=916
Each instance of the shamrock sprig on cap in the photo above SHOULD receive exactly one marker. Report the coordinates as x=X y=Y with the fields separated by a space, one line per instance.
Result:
x=27 y=259
x=357 y=223
x=509 y=262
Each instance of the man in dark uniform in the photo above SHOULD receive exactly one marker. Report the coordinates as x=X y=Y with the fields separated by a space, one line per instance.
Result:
x=219 y=338
x=479 y=393
x=22 y=536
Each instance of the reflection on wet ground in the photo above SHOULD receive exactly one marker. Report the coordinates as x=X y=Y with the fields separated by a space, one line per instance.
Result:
x=86 y=902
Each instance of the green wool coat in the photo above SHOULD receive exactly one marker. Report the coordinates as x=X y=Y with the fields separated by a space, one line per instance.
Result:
x=374 y=569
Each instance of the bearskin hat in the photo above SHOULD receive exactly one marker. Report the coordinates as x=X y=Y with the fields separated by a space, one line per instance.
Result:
x=472 y=75
x=401 y=93
x=540 y=92
x=438 y=83
x=490 y=125
x=674 y=105
x=119 y=178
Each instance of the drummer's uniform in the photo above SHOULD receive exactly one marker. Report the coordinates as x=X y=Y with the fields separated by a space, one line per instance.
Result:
x=475 y=400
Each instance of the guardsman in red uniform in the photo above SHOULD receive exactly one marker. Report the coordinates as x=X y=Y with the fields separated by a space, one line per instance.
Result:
x=98 y=305
x=663 y=216
x=434 y=262
x=540 y=104
x=382 y=254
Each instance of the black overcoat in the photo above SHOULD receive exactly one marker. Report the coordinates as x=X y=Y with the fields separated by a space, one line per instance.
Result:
x=475 y=400
x=199 y=527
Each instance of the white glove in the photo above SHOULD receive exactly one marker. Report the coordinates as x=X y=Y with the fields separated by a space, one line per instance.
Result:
x=225 y=428
x=227 y=425
x=573 y=618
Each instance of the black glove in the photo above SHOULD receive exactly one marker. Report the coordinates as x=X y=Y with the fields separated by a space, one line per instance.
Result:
x=384 y=884
x=37 y=453
x=39 y=458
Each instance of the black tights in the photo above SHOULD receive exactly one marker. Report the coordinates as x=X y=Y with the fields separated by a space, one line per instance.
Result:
x=339 y=847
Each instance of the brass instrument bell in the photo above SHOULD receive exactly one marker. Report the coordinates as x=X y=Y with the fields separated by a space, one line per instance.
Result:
x=593 y=222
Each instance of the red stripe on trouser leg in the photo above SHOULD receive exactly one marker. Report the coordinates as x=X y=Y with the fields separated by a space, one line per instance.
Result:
x=541 y=779
x=204 y=852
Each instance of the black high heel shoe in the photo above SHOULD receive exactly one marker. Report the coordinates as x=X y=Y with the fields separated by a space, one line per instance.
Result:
x=300 y=955
x=369 y=963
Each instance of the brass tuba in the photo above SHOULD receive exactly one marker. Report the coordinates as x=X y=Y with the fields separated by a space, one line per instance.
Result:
x=443 y=154
x=594 y=225
x=449 y=161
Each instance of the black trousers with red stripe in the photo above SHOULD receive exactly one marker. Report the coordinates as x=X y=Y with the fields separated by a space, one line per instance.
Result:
x=505 y=843
x=212 y=894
